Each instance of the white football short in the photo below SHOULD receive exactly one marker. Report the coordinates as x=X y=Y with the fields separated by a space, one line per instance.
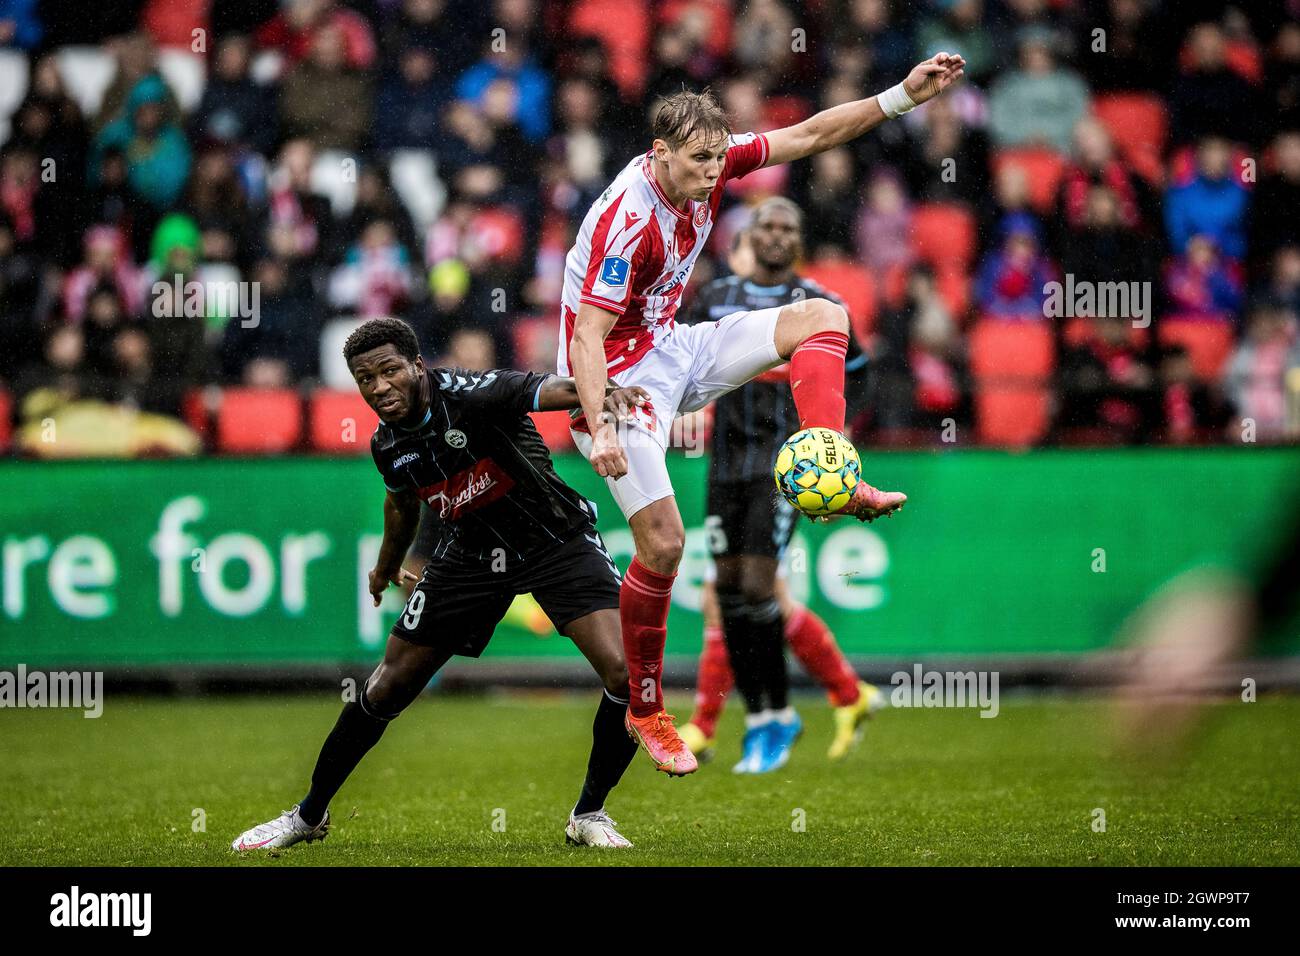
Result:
x=690 y=367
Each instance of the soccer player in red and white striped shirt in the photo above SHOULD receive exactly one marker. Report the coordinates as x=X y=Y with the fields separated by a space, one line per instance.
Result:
x=623 y=282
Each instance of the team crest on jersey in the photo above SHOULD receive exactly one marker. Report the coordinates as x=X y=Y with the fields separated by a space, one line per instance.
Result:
x=455 y=438
x=614 y=271
x=701 y=214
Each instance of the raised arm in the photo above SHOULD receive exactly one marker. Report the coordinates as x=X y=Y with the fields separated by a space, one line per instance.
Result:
x=587 y=357
x=840 y=124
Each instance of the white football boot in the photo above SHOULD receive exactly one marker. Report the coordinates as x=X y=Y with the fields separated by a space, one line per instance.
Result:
x=285 y=830
x=594 y=829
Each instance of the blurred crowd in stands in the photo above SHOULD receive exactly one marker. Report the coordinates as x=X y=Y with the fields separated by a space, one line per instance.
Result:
x=325 y=161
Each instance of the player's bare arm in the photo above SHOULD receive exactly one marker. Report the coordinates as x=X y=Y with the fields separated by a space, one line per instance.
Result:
x=401 y=519
x=587 y=355
x=560 y=393
x=841 y=124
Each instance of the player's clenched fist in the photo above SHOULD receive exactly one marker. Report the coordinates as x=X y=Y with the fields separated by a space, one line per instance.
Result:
x=379 y=581
x=931 y=77
x=607 y=456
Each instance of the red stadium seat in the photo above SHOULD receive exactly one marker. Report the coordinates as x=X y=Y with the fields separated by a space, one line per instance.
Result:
x=943 y=234
x=554 y=429
x=6 y=412
x=194 y=410
x=852 y=283
x=1043 y=167
x=341 y=421
x=255 y=421
x=1014 y=415
x=780 y=111
x=1139 y=124
x=1011 y=351
x=954 y=289
x=1077 y=329
x=1208 y=343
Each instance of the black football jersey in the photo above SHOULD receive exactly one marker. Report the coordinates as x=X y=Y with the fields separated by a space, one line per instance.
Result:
x=479 y=464
x=752 y=422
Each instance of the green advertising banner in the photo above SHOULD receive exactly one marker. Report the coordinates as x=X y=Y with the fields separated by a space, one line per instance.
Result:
x=232 y=561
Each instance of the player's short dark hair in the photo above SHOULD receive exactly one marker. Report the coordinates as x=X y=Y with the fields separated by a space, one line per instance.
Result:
x=683 y=114
x=779 y=202
x=385 y=331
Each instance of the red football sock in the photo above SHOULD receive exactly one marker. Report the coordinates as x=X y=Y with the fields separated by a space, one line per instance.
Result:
x=714 y=681
x=814 y=645
x=643 y=611
x=817 y=380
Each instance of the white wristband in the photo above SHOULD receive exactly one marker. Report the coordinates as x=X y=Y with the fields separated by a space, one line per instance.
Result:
x=895 y=101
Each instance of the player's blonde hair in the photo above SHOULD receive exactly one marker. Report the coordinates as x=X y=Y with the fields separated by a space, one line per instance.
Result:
x=683 y=115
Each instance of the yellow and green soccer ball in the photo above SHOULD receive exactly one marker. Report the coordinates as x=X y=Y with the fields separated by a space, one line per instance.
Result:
x=817 y=470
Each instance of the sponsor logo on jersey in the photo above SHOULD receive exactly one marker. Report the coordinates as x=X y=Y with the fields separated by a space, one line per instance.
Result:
x=455 y=438
x=481 y=484
x=614 y=271
x=407 y=459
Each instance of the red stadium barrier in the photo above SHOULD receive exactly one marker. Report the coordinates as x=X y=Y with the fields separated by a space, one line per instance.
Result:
x=340 y=421
x=1044 y=169
x=1208 y=343
x=259 y=421
x=554 y=429
x=1005 y=350
x=1139 y=125
x=943 y=234
x=6 y=414
x=852 y=283
x=1013 y=415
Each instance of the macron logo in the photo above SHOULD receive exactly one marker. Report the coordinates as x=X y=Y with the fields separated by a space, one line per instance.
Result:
x=631 y=218
x=103 y=909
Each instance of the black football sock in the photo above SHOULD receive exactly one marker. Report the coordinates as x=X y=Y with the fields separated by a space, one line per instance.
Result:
x=768 y=632
x=356 y=731
x=612 y=749
x=746 y=660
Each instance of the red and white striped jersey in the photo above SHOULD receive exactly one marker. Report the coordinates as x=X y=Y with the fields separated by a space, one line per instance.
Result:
x=635 y=252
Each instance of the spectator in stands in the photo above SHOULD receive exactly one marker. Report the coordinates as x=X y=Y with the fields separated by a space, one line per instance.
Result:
x=216 y=202
x=283 y=345
x=19 y=25
x=107 y=264
x=1283 y=283
x=1201 y=285
x=375 y=200
x=832 y=202
x=877 y=22
x=20 y=285
x=1101 y=248
x=234 y=109
x=177 y=335
x=471 y=349
x=761 y=42
x=324 y=99
x=61 y=373
x=1282 y=77
x=1094 y=164
x=920 y=375
x=885 y=224
x=295 y=30
x=1106 y=387
x=532 y=85
x=297 y=223
x=1214 y=203
x=1190 y=408
x=27 y=204
x=1209 y=97
x=1012 y=280
x=409 y=102
x=375 y=277
x=1039 y=103
x=947 y=160
x=1258 y=371
x=1274 y=207
x=960 y=27
x=451 y=35
x=1131 y=34
x=157 y=153
x=137 y=60
x=109 y=201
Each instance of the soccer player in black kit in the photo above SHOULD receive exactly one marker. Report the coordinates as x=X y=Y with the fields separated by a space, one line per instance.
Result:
x=749 y=524
x=462 y=443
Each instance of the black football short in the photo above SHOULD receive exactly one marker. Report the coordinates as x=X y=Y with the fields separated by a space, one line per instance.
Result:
x=748 y=517
x=457 y=605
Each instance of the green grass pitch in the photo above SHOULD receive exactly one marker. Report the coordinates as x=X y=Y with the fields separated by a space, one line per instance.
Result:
x=929 y=787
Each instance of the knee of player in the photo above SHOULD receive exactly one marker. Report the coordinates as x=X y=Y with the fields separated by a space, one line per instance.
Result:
x=615 y=678
x=383 y=696
x=831 y=317
x=662 y=547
